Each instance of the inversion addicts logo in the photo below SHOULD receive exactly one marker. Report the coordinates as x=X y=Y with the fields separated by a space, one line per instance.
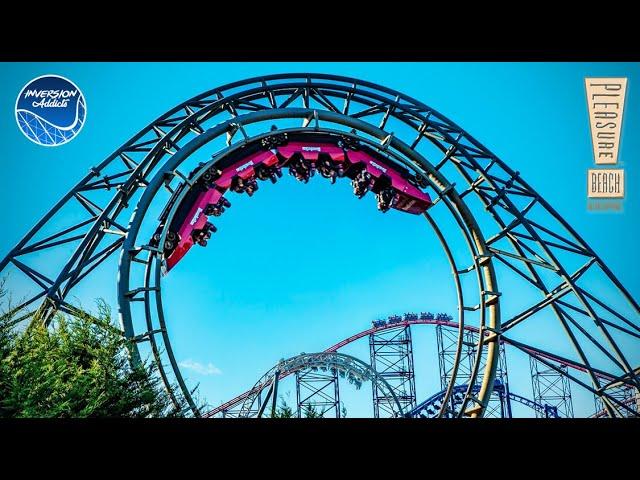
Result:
x=50 y=110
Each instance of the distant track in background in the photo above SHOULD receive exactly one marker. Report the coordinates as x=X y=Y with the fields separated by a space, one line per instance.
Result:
x=502 y=220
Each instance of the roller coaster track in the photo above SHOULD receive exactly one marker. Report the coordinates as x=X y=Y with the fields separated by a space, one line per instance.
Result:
x=445 y=323
x=436 y=399
x=501 y=223
x=339 y=361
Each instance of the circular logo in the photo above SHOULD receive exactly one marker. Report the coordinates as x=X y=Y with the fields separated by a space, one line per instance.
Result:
x=50 y=110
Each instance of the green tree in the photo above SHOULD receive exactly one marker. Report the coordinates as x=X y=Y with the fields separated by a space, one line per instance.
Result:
x=283 y=410
x=7 y=340
x=78 y=367
x=311 y=412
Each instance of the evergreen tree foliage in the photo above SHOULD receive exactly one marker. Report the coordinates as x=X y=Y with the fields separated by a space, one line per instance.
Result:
x=283 y=410
x=76 y=367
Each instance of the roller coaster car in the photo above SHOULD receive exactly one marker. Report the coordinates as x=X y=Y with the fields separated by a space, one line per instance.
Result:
x=204 y=198
x=335 y=157
x=190 y=224
x=331 y=155
x=393 y=185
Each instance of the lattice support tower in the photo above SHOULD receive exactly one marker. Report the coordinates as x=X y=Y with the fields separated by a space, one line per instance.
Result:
x=626 y=394
x=551 y=387
x=506 y=225
x=499 y=405
x=319 y=391
x=392 y=357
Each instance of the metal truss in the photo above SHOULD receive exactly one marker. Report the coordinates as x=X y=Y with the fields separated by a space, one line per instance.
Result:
x=355 y=371
x=319 y=391
x=626 y=394
x=432 y=405
x=509 y=229
x=499 y=405
x=551 y=387
x=448 y=357
x=235 y=412
x=391 y=353
x=501 y=396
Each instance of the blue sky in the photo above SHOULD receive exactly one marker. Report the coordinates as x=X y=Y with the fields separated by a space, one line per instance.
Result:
x=299 y=267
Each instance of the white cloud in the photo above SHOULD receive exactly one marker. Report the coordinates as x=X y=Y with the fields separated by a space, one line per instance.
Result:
x=208 y=369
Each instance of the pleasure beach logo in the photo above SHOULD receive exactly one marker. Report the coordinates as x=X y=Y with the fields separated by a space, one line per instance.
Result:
x=50 y=110
x=605 y=102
